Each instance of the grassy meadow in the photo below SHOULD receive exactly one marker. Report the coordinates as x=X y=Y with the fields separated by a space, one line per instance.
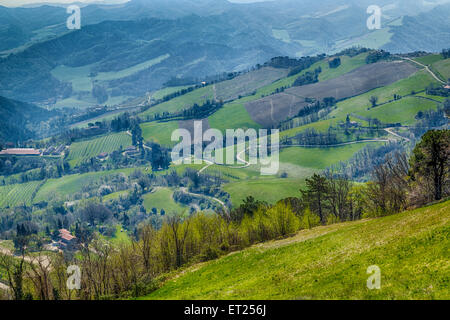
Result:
x=330 y=262
x=162 y=198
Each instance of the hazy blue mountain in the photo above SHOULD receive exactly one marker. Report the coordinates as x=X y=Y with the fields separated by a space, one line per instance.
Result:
x=428 y=32
x=192 y=46
x=129 y=49
x=17 y=119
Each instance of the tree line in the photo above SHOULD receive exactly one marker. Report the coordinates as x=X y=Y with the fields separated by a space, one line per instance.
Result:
x=135 y=268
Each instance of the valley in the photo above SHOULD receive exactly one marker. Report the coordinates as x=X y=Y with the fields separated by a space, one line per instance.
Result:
x=209 y=150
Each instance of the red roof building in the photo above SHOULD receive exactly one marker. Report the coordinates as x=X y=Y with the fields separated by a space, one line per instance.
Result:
x=20 y=152
x=66 y=235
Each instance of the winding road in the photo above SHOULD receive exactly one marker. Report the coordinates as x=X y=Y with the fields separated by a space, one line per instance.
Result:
x=186 y=191
x=145 y=147
x=426 y=67
x=390 y=131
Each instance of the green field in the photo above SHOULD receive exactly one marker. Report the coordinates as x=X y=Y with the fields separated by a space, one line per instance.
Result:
x=429 y=59
x=198 y=96
x=247 y=83
x=162 y=198
x=80 y=151
x=114 y=75
x=282 y=35
x=298 y=163
x=115 y=195
x=411 y=249
x=18 y=194
x=77 y=76
x=166 y=91
x=347 y=64
x=359 y=104
x=402 y=111
x=159 y=132
x=443 y=68
x=120 y=238
x=232 y=116
x=375 y=39
x=81 y=80
x=321 y=158
x=417 y=82
x=67 y=186
x=270 y=190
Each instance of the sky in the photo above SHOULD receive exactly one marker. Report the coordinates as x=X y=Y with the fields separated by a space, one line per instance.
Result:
x=15 y=3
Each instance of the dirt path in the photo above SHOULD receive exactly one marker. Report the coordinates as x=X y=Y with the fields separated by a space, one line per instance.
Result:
x=245 y=162
x=145 y=147
x=4 y=287
x=186 y=191
x=390 y=131
x=335 y=145
x=35 y=260
x=215 y=92
x=238 y=157
x=209 y=164
x=426 y=68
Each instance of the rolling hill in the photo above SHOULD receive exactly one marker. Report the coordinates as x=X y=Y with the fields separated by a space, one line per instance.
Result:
x=130 y=58
x=355 y=139
x=330 y=262
x=18 y=120
x=135 y=48
x=354 y=82
x=274 y=109
x=296 y=163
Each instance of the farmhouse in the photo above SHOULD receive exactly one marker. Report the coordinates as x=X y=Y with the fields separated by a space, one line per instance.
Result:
x=131 y=151
x=20 y=152
x=66 y=240
x=351 y=124
x=102 y=156
x=49 y=151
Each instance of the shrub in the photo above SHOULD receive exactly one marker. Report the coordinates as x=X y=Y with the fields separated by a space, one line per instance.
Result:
x=309 y=220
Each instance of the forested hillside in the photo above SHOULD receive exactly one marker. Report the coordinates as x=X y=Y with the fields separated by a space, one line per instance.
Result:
x=17 y=120
x=217 y=150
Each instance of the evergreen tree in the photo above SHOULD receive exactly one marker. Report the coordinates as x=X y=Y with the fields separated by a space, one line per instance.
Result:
x=431 y=159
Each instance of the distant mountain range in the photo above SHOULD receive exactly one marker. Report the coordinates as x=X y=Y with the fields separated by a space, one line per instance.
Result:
x=129 y=49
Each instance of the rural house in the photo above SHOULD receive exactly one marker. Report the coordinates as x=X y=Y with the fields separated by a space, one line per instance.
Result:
x=20 y=152
x=66 y=240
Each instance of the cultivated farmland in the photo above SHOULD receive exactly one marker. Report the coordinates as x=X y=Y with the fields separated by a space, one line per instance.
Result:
x=198 y=96
x=271 y=110
x=67 y=187
x=247 y=83
x=17 y=194
x=83 y=150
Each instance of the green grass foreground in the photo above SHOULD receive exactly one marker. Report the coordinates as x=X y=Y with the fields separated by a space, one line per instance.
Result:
x=330 y=262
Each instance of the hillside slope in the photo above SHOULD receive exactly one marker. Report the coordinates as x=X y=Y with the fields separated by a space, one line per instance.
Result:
x=330 y=262
x=15 y=118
